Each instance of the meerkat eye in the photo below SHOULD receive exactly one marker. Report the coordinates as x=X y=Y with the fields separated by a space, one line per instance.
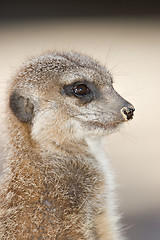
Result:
x=85 y=91
x=81 y=90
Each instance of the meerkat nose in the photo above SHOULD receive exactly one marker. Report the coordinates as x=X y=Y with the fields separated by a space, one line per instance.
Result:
x=128 y=111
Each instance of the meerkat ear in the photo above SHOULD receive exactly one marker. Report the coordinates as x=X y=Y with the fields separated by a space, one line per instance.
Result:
x=22 y=107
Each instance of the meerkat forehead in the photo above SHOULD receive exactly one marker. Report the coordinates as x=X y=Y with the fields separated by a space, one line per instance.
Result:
x=61 y=68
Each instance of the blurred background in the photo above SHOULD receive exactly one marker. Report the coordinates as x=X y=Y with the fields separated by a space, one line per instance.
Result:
x=125 y=37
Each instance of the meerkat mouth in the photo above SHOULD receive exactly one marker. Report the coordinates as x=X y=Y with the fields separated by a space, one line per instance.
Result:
x=105 y=126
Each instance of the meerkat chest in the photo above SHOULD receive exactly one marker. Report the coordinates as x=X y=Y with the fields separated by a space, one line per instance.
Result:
x=97 y=148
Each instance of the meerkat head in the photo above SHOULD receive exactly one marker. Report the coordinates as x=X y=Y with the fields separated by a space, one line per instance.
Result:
x=65 y=97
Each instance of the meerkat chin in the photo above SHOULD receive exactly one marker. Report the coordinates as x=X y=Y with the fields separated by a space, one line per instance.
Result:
x=58 y=184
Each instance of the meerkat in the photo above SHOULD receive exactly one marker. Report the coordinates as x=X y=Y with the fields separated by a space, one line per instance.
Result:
x=58 y=183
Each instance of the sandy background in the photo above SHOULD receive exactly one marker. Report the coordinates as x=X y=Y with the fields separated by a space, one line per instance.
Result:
x=131 y=50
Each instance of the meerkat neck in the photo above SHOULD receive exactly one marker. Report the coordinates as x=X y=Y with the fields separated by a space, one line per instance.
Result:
x=24 y=153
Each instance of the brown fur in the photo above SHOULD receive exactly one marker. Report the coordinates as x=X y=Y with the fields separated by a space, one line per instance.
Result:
x=54 y=187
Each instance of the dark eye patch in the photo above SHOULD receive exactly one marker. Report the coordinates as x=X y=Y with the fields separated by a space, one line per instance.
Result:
x=83 y=90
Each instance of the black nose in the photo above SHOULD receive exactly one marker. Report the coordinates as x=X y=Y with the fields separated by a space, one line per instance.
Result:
x=128 y=111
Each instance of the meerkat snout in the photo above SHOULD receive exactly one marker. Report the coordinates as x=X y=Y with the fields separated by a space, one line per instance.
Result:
x=128 y=111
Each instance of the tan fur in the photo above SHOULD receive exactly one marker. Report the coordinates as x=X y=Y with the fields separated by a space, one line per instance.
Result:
x=57 y=184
